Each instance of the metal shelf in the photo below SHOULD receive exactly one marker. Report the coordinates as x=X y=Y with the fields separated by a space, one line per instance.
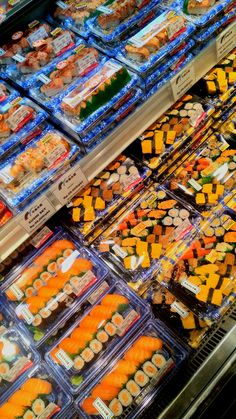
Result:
x=14 y=233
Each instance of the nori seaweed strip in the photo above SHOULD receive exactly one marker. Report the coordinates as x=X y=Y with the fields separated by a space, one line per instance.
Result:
x=210 y=295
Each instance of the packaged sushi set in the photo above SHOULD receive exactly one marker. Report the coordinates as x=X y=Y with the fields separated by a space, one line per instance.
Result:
x=16 y=359
x=207 y=176
x=20 y=121
x=228 y=128
x=107 y=192
x=100 y=332
x=6 y=92
x=177 y=316
x=5 y=215
x=27 y=170
x=52 y=285
x=39 y=395
x=8 y=6
x=137 y=372
x=204 y=276
x=140 y=236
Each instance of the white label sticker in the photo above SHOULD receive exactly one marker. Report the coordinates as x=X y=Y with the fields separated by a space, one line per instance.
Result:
x=48 y=411
x=179 y=309
x=61 y=42
x=131 y=180
x=86 y=62
x=5 y=174
x=225 y=42
x=195 y=184
x=64 y=359
x=44 y=79
x=41 y=237
x=36 y=215
x=98 y=292
x=15 y=290
x=83 y=283
x=69 y=184
x=189 y=286
x=184 y=228
x=55 y=154
x=27 y=315
x=131 y=318
x=119 y=251
x=19 y=118
x=105 y=10
x=14 y=372
x=175 y=27
x=183 y=81
x=19 y=58
x=62 y=5
x=104 y=411
x=40 y=33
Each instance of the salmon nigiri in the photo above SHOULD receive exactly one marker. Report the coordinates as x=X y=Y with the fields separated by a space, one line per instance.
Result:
x=47 y=292
x=114 y=379
x=148 y=343
x=37 y=384
x=63 y=244
x=69 y=345
x=88 y=407
x=78 y=334
x=126 y=367
x=90 y=323
x=137 y=355
x=105 y=392
x=23 y=398
x=102 y=312
x=11 y=410
x=79 y=265
x=114 y=300
x=34 y=303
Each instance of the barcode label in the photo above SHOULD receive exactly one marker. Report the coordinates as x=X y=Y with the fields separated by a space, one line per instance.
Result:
x=98 y=292
x=64 y=359
x=119 y=251
x=189 y=286
x=179 y=309
x=131 y=318
x=195 y=184
x=27 y=315
x=104 y=411
x=16 y=291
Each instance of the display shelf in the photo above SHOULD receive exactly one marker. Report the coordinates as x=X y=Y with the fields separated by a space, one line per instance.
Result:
x=16 y=231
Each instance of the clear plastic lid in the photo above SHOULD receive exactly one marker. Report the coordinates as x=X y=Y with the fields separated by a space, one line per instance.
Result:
x=207 y=176
x=201 y=12
x=104 y=195
x=133 y=377
x=26 y=171
x=204 y=276
x=142 y=233
x=97 y=335
x=39 y=395
x=52 y=284
x=17 y=357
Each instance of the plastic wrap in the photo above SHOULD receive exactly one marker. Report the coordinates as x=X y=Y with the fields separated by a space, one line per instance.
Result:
x=134 y=377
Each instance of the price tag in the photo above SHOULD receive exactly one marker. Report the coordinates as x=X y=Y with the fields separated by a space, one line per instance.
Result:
x=69 y=184
x=183 y=81
x=189 y=286
x=131 y=180
x=64 y=359
x=49 y=411
x=36 y=215
x=119 y=251
x=179 y=309
x=62 y=5
x=61 y=42
x=98 y=292
x=86 y=63
x=102 y=408
x=41 y=237
x=44 y=79
x=19 y=58
x=130 y=319
x=27 y=315
x=15 y=290
x=195 y=184
x=40 y=33
x=225 y=42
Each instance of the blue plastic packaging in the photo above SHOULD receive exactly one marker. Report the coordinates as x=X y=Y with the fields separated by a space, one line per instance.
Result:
x=22 y=123
x=52 y=285
x=21 y=176
x=7 y=93
x=118 y=313
x=46 y=396
x=205 y=35
x=147 y=362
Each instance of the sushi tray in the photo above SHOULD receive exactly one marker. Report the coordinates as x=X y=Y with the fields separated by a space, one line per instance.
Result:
x=39 y=395
x=204 y=276
x=148 y=228
x=171 y=130
x=177 y=316
x=28 y=169
x=17 y=359
x=105 y=194
x=5 y=215
x=7 y=93
x=228 y=128
x=20 y=122
x=52 y=285
x=115 y=18
x=67 y=70
x=28 y=51
x=135 y=376
x=146 y=49
x=84 y=104
x=5 y=319
x=207 y=176
x=92 y=340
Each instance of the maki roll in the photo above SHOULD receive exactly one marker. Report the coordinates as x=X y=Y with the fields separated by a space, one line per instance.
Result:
x=150 y=369
x=158 y=360
x=78 y=363
x=87 y=354
x=38 y=406
x=141 y=378
x=116 y=407
x=117 y=319
x=4 y=369
x=133 y=388
x=96 y=346
x=125 y=398
x=29 y=415
x=110 y=329
x=102 y=336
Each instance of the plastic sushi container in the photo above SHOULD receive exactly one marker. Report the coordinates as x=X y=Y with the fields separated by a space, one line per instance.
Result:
x=65 y=71
x=205 y=35
x=28 y=51
x=17 y=358
x=171 y=130
x=38 y=395
x=102 y=330
x=228 y=128
x=105 y=194
x=207 y=176
x=5 y=215
x=8 y=6
x=177 y=316
x=28 y=169
x=6 y=92
x=5 y=318
x=147 y=48
x=138 y=372
x=21 y=121
x=139 y=237
x=116 y=18
x=52 y=285
x=203 y=274
x=80 y=108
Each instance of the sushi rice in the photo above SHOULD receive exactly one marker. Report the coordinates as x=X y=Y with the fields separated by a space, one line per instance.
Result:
x=125 y=398
x=102 y=336
x=78 y=363
x=110 y=329
x=29 y=415
x=158 y=360
x=117 y=319
x=96 y=346
x=38 y=407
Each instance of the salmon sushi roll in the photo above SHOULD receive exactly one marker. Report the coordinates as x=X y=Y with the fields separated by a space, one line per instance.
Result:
x=42 y=386
x=116 y=407
x=96 y=346
x=102 y=336
x=150 y=369
x=52 y=267
x=105 y=392
x=38 y=283
x=141 y=378
x=126 y=367
x=29 y=415
x=125 y=397
x=110 y=329
x=148 y=343
x=45 y=313
x=114 y=300
x=37 y=320
x=88 y=407
x=117 y=319
x=115 y=379
x=30 y=291
x=87 y=355
x=38 y=406
x=133 y=388
x=45 y=276
x=4 y=369
x=78 y=363
x=158 y=360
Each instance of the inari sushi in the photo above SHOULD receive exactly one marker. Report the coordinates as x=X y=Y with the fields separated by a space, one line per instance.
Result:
x=133 y=388
x=150 y=369
x=116 y=407
x=125 y=398
x=141 y=378
x=158 y=360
